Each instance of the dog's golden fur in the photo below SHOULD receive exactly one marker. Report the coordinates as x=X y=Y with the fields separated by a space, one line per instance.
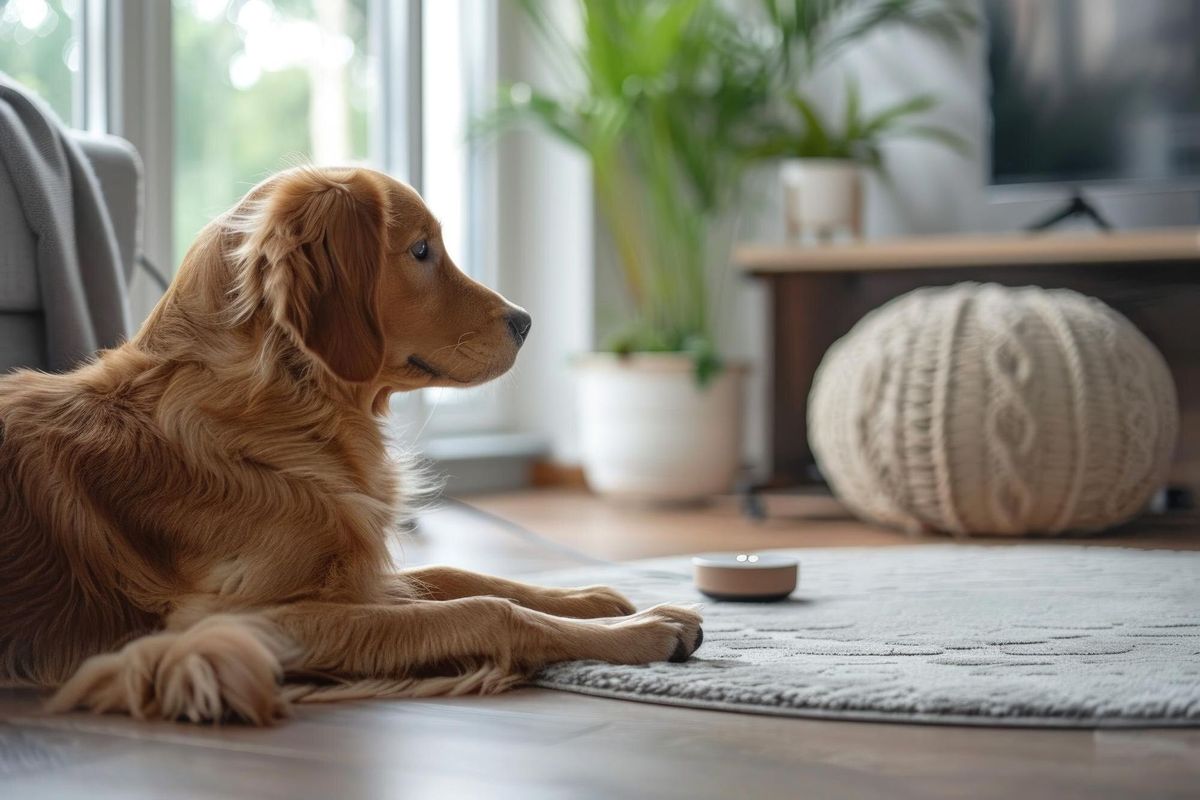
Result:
x=195 y=524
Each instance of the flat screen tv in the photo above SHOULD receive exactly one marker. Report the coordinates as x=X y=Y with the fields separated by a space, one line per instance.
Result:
x=1094 y=91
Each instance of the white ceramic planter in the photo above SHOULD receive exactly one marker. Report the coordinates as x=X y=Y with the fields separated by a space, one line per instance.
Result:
x=650 y=434
x=822 y=198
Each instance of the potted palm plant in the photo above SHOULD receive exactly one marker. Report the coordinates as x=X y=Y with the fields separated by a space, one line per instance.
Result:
x=670 y=104
x=665 y=88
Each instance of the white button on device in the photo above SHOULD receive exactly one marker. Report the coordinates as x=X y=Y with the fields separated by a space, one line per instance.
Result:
x=745 y=576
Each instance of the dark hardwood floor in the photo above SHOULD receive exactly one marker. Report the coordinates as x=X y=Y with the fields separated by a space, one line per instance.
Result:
x=533 y=743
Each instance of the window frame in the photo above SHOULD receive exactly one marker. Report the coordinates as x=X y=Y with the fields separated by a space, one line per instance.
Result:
x=137 y=84
x=395 y=46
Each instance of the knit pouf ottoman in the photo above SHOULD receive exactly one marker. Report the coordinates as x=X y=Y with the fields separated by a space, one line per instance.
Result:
x=978 y=409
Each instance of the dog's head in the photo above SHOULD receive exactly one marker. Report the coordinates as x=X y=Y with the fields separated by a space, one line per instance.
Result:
x=351 y=265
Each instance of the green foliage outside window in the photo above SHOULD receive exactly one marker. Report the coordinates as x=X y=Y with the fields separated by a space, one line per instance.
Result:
x=38 y=49
x=245 y=76
x=237 y=121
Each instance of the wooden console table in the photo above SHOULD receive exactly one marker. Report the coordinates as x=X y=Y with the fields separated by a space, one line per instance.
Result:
x=818 y=293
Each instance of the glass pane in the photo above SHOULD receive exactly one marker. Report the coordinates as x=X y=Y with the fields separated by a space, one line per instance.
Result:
x=444 y=95
x=260 y=86
x=456 y=74
x=39 y=49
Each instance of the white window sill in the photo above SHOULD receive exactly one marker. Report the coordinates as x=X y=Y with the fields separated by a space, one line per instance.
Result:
x=484 y=462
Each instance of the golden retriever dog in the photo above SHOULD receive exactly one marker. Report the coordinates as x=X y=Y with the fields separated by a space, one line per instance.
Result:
x=195 y=524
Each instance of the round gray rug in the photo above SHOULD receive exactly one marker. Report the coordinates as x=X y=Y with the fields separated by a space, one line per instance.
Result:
x=1063 y=636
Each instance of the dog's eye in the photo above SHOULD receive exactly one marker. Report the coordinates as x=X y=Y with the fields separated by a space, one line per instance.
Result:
x=420 y=250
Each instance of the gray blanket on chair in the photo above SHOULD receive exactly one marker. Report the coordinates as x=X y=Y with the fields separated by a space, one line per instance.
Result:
x=79 y=267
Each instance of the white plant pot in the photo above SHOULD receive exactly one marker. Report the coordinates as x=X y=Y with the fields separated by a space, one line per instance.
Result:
x=822 y=198
x=649 y=433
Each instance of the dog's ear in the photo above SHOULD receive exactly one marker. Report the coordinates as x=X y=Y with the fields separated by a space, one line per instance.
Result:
x=316 y=247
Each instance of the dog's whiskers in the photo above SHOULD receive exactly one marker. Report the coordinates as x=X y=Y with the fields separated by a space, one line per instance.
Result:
x=456 y=345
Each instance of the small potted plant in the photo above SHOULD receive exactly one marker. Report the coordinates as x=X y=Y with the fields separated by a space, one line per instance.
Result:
x=823 y=164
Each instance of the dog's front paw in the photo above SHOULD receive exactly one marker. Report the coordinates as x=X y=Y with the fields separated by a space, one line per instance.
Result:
x=589 y=602
x=217 y=670
x=116 y=682
x=661 y=633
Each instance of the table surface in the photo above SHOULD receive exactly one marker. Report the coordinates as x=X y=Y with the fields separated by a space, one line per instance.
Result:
x=1166 y=245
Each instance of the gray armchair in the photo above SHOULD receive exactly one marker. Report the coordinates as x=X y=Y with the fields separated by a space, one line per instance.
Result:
x=22 y=323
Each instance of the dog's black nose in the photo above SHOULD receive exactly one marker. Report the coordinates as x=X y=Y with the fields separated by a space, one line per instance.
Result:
x=519 y=324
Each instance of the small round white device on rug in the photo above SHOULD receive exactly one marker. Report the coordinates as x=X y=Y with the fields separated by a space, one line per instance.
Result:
x=745 y=577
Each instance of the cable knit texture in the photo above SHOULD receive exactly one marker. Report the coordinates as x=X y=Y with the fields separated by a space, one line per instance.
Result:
x=979 y=409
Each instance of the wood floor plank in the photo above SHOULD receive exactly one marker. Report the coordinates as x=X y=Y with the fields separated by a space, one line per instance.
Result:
x=536 y=742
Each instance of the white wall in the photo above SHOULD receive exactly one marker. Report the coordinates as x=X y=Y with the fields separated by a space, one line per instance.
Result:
x=546 y=245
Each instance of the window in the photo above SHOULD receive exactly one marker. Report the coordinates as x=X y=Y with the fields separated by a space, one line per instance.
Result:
x=40 y=49
x=261 y=85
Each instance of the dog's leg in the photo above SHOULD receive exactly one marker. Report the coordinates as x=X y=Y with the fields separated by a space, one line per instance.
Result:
x=231 y=667
x=382 y=641
x=448 y=583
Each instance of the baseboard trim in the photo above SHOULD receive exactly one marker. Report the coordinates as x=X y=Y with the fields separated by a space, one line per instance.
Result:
x=546 y=474
x=489 y=462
